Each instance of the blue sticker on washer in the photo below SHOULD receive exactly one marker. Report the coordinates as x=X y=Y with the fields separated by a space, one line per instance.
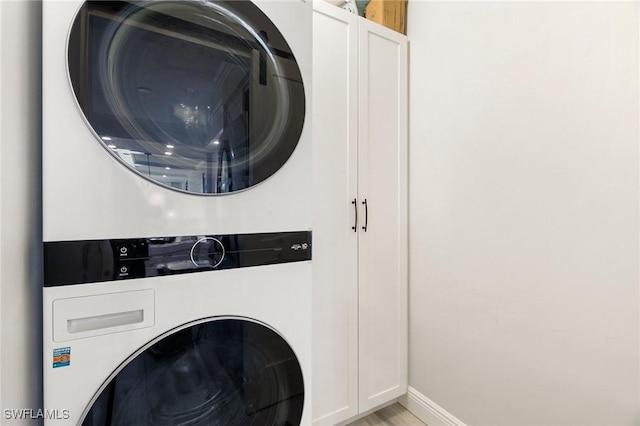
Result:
x=61 y=357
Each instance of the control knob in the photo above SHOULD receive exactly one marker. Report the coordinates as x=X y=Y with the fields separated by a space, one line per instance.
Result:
x=207 y=252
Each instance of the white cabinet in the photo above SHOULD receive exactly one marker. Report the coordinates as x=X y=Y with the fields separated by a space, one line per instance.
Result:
x=382 y=186
x=360 y=156
x=335 y=244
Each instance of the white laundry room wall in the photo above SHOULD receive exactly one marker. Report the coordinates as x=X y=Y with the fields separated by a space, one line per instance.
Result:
x=524 y=195
x=20 y=217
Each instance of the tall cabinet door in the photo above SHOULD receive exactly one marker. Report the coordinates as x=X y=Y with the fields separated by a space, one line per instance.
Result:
x=383 y=197
x=335 y=276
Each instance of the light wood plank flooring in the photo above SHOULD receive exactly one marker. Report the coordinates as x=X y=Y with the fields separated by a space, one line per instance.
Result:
x=393 y=415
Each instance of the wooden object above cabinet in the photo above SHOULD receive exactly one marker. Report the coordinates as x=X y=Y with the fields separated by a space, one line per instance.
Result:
x=389 y=13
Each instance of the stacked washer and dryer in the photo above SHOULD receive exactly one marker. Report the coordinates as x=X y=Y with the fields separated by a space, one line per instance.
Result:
x=177 y=212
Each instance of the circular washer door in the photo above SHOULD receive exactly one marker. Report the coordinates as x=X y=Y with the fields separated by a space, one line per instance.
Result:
x=223 y=372
x=204 y=97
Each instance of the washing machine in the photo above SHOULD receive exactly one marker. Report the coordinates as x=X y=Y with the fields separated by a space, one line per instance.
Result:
x=176 y=212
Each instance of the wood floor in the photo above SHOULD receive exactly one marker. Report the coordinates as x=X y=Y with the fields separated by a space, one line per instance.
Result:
x=393 y=415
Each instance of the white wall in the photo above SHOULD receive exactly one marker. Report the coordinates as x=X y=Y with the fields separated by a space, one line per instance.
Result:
x=524 y=211
x=20 y=223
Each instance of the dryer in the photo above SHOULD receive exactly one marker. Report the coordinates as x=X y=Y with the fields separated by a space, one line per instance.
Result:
x=176 y=212
x=175 y=117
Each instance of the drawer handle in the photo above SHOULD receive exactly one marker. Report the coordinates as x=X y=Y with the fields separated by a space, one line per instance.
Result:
x=78 y=325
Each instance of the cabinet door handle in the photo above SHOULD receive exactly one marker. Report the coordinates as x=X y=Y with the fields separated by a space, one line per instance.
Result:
x=355 y=208
x=366 y=215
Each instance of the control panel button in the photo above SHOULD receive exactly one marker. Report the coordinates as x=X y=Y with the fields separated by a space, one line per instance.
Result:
x=207 y=252
x=130 y=249
x=127 y=269
x=123 y=251
x=123 y=271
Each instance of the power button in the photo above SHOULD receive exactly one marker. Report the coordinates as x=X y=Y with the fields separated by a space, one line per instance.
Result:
x=207 y=252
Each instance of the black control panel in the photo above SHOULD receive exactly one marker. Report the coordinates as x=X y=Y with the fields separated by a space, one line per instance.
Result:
x=80 y=262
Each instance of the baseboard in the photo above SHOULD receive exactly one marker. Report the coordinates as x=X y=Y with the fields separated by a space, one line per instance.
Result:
x=427 y=410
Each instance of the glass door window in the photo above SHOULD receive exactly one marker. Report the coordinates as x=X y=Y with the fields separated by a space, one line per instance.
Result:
x=204 y=97
x=222 y=372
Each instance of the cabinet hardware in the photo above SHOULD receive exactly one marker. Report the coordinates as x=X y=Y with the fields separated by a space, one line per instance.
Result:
x=366 y=215
x=355 y=208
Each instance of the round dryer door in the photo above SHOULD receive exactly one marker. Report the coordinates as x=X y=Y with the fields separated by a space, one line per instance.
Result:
x=204 y=97
x=216 y=372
